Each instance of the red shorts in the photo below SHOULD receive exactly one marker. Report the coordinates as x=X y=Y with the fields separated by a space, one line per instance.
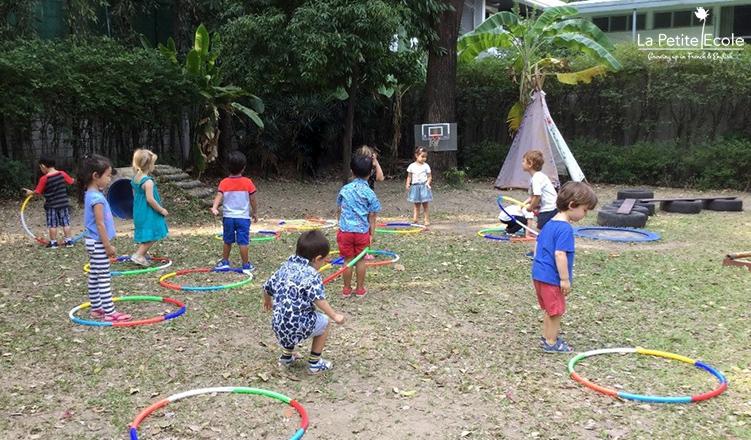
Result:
x=352 y=243
x=551 y=298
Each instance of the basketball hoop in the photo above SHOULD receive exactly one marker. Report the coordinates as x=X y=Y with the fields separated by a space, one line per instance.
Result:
x=434 y=140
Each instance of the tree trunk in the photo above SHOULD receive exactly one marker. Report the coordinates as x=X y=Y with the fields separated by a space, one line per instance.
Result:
x=349 y=123
x=440 y=85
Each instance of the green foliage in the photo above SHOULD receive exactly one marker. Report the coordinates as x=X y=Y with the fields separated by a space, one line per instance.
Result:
x=722 y=164
x=484 y=159
x=14 y=175
x=94 y=95
x=455 y=177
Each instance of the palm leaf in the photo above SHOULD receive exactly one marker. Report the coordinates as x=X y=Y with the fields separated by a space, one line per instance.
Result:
x=193 y=63
x=582 y=76
x=249 y=113
x=581 y=26
x=256 y=103
x=201 y=41
x=504 y=19
x=514 y=117
x=473 y=44
x=550 y=16
x=582 y=43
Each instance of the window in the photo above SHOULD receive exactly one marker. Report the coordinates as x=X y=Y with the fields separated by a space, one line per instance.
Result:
x=663 y=20
x=682 y=18
x=641 y=22
x=602 y=23
x=696 y=22
x=742 y=21
x=619 y=23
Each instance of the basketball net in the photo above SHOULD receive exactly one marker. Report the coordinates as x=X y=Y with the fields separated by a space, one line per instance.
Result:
x=434 y=140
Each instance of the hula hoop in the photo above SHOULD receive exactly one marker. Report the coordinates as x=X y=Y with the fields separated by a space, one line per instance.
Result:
x=164 y=283
x=512 y=200
x=133 y=426
x=264 y=236
x=487 y=233
x=115 y=273
x=308 y=224
x=40 y=240
x=393 y=255
x=154 y=320
x=354 y=261
x=402 y=228
x=723 y=383
x=609 y=234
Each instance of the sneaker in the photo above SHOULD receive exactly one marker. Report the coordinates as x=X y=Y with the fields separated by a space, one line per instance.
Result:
x=521 y=233
x=69 y=243
x=140 y=260
x=530 y=255
x=248 y=268
x=222 y=265
x=346 y=292
x=52 y=245
x=286 y=363
x=361 y=292
x=319 y=367
x=560 y=346
x=542 y=341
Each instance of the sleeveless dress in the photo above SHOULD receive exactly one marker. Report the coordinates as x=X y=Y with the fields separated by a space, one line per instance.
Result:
x=149 y=224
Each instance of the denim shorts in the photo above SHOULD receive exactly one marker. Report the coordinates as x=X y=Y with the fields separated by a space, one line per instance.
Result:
x=236 y=230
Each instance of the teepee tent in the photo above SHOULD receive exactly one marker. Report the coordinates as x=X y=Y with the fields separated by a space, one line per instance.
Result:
x=538 y=132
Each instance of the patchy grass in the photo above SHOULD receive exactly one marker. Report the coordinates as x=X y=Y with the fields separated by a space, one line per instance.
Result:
x=446 y=348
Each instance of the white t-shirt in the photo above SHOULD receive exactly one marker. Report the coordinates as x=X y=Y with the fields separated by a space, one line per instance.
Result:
x=419 y=172
x=540 y=185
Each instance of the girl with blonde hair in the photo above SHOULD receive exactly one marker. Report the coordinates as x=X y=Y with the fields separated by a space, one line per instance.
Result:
x=148 y=212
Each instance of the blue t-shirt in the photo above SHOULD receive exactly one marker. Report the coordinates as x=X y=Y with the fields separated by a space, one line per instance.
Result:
x=356 y=200
x=90 y=199
x=294 y=289
x=557 y=235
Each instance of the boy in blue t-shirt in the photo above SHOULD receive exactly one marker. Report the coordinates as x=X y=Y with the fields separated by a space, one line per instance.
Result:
x=553 y=266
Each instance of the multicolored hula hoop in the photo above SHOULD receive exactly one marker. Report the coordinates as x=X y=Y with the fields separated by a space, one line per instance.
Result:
x=261 y=236
x=307 y=224
x=115 y=273
x=394 y=257
x=403 y=228
x=133 y=427
x=723 y=383
x=154 y=320
x=164 y=283
x=487 y=233
x=34 y=237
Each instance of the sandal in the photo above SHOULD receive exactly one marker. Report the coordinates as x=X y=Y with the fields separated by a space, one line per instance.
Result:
x=117 y=317
x=361 y=292
x=560 y=346
x=346 y=292
x=97 y=313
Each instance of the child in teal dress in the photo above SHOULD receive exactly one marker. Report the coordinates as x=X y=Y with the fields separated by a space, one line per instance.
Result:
x=148 y=213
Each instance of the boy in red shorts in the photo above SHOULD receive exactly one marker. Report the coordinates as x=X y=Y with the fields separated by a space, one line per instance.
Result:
x=553 y=266
x=357 y=210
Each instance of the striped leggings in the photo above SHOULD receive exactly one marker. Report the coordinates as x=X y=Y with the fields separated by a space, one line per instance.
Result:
x=100 y=280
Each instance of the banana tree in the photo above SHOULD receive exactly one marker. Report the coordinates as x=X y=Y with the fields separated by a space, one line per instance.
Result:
x=201 y=67
x=529 y=44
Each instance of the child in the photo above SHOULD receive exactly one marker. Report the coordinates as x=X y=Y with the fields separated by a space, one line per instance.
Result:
x=52 y=185
x=553 y=265
x=542 y=193
x=516 y=215
x=296 y=290
x=148 y=213
x=94 y=175
x=357 y=210
x=238 y=197
x=418 y=185
x=376 y=174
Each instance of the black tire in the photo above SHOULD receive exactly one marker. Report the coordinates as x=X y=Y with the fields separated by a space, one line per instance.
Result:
x=635 y=193
x=637 y=208
x=645 y=207
x=606 y=217
x=682 y=206
x=734 y=205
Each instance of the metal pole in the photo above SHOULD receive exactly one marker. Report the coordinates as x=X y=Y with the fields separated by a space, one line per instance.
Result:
x=633 y=26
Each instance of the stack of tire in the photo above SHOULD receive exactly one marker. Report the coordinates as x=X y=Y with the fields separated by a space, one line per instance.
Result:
x=637 y=218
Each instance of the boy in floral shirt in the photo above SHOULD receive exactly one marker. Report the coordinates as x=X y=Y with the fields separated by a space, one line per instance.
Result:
x=294 y=292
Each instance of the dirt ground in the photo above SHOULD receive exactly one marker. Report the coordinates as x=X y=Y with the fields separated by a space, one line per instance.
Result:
x=444 y=346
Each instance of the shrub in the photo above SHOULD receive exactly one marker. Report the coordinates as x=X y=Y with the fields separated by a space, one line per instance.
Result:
x=14 y=175
x=455 y=177
x=483 y=159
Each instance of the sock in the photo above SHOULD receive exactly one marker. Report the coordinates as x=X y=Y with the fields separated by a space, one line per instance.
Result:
x=287 y=353
x=314 y=357
x=53 y=242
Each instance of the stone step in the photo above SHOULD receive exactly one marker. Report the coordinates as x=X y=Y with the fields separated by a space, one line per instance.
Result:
x=201 y=192
x=163 y=170
x=208 y=203
x=174 y=177
x=188 y=184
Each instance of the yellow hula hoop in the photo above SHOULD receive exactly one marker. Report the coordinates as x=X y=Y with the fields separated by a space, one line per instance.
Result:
x=512 y=200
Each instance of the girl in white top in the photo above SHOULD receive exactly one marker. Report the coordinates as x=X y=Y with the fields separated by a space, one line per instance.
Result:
x=542 y=194
x=418 y=184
